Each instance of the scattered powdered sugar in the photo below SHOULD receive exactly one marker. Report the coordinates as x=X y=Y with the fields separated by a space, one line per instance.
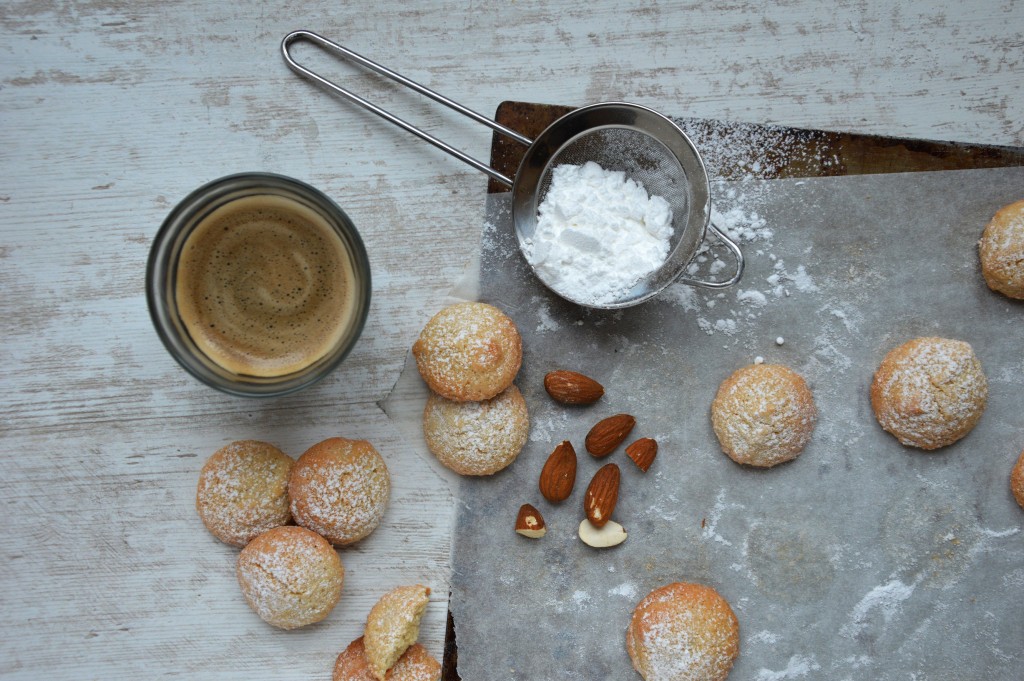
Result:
x=711 y=522
x=626 y=590
x=739 y=190
x=581 y=598
x=598 y=233
x=767 y=637
x=886 y=598
x=798 y=667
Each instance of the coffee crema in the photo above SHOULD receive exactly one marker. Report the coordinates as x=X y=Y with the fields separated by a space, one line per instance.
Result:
x=265 y=286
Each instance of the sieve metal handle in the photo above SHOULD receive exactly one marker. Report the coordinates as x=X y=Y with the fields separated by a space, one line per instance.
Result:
x=346 y=53
x=736 y=252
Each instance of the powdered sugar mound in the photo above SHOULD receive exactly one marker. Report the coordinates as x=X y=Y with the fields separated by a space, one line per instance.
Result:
x=598 y=233
x=752 y=297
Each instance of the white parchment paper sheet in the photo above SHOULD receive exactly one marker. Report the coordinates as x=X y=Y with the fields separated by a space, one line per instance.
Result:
x=862 y=559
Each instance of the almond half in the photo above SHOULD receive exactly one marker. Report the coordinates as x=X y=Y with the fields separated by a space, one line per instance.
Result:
x=608 y=434
x=570 y=387
x=530 y=523
x=643 y=452
x=558 y=476
x=612 y=534
x=602 y=495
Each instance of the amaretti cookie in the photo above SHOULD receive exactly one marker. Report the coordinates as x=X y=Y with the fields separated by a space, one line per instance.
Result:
x=393 y=625
x=929 y=392
x=290 y=576
x=476 y=438
x=243 y=491
x=763 y=415
x=683 y=632
x=339 y=488
x=415 y=664
x=1001 y=250
x=469 y=351
x=1017 y=480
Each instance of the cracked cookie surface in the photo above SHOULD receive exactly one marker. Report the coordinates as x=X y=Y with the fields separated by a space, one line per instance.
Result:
x=290 y=576
x=929 y=392
x=763 y=415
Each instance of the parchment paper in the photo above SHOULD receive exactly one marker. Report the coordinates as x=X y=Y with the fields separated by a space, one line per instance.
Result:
x=862 y=559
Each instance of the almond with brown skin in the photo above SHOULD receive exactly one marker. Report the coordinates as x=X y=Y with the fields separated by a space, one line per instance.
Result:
x=570 y=387
x=608 y=434
x=558 y=476
x=602 y=495
x=530 y=523
x=643 y=452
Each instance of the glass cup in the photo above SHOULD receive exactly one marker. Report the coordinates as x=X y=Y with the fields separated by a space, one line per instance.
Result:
x=283 y=194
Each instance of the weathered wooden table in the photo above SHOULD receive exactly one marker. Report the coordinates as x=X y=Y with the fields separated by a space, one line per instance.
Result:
x=110 y=112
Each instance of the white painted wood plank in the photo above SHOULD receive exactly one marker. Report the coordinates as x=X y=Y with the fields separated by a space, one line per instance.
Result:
x=115 y=569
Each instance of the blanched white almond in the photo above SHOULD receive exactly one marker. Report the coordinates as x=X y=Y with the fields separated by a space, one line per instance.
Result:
x=611 y=534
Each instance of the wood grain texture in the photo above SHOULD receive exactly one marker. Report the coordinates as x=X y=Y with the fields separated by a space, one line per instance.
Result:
x=111 y=111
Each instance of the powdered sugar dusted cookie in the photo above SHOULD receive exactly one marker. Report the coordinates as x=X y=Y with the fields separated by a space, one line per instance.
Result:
x=243 y=491
x=339 y=488
x=1017 y=480
x=929 y=392
x=763 y=414
x=683 y=632
x=290 y=576
x=415 y=664
x=477 y=438
x=469 y=351
x=1001 y=250
x=393 y=625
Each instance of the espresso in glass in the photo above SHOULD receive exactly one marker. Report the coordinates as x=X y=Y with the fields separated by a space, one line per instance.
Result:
x=258 y=284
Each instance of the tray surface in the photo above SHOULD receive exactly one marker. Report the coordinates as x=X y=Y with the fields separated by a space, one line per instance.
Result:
x=790 y=564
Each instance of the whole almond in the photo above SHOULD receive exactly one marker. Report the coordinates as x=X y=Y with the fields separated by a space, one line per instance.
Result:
x=643 y=452
x=530 y=523
x=558 y=476
x=570 y=387
x=608 y=434
x=602 y=495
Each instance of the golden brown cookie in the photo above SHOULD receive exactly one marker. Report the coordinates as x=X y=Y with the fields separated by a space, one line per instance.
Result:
x=393 y=625
x=339 y=488
x=477 y=438
x=929 y=392
x=415 y=664
x=1017 y=480
x=469 y=352
x=290 y=576
x=1001 y=250
x=243 y=491
x=763 y=414
x=683 y=632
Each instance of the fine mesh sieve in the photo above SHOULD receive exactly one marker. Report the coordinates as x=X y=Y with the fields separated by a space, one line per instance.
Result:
x=647 y=146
